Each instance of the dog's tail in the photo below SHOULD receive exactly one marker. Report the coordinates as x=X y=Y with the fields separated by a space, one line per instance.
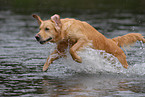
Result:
x=128 y=39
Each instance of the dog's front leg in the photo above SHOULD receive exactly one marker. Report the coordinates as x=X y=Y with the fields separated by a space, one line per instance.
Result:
x=50 y=59
x=59 y=52
x=76 y=47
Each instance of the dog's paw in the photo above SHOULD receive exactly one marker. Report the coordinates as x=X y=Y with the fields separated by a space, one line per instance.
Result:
x=125 y=66
x=79 y=60
x=45 y=67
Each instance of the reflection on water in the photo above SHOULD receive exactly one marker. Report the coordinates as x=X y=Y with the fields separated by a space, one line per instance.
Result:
x=22 y=58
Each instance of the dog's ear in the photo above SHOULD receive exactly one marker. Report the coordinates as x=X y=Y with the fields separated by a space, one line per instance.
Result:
x=37 y=18
x=56 y=19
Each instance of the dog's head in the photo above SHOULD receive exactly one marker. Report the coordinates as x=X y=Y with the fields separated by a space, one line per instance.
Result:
x=49 y=29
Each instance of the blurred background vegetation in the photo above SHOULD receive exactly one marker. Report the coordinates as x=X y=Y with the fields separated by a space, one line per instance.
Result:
x=59 y=6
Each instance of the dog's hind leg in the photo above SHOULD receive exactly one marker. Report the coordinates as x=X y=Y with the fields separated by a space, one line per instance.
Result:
x=122 y=60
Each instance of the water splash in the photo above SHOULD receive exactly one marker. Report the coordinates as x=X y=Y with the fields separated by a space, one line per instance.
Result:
x=141 y=45
x=93 y=62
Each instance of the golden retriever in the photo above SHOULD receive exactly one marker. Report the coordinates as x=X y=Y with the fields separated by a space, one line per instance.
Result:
x=75 y=34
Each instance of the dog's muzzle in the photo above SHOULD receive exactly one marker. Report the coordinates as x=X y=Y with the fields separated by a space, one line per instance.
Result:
x=38 y=38
x=42 y=42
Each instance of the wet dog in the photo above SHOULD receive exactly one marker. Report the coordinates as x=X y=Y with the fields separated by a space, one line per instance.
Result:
x=76 y=34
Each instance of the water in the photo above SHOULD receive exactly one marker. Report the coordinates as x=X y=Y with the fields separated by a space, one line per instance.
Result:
x=22 y=59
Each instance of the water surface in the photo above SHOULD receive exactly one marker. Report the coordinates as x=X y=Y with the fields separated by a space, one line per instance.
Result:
x=22 y=59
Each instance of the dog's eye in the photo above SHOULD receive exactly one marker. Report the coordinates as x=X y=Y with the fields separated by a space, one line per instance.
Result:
x=46 y=29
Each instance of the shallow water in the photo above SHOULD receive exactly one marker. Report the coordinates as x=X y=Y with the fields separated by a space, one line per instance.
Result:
x=22 y=59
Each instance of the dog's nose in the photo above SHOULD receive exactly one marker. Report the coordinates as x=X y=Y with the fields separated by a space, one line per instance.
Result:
x=37 y=37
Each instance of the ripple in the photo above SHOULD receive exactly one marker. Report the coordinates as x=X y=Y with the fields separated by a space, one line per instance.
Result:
x=22 y=59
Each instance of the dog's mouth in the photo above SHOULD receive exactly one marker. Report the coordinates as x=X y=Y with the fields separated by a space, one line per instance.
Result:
x=42 y=42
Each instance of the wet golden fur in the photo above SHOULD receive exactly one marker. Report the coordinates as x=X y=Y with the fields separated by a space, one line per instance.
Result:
x=128 y=39
x=75 y=34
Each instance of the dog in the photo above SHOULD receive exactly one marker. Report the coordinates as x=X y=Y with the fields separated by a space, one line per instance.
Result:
x=75 y=34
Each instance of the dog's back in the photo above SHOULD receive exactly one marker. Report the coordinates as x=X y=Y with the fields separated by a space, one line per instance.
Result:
x=99 y=41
